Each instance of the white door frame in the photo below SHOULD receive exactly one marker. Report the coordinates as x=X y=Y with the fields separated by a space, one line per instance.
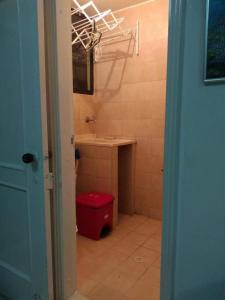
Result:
x=42 y=67
x=60 y=93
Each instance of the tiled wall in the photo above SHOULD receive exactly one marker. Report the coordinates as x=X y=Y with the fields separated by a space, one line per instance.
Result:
x=84 y=106
x=95 y=169
x=129 y=99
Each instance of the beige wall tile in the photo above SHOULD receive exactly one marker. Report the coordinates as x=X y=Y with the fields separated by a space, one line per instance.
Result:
x=109 y=128
x=84 y=106
x=129 y=101
x=89 y=151
x=95 y=167
x=157 y=146
x=152 y=164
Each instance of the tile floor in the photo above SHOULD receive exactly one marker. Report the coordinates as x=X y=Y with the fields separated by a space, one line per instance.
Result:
x=124 y=265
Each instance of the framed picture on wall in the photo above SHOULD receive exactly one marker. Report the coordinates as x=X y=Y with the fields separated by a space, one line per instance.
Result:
x=215 y=41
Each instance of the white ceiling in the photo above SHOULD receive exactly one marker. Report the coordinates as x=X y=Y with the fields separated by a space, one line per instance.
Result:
x=112 y=4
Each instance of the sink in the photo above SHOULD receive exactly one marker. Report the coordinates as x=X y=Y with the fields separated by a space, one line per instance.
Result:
x=104 y=141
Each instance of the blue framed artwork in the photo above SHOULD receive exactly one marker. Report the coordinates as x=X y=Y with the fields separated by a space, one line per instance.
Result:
x=215 y=41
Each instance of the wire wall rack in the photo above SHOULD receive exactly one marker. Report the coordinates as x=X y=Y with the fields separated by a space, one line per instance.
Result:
x=100 y=28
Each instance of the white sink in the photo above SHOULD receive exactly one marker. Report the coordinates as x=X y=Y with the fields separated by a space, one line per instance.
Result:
x=104 y=141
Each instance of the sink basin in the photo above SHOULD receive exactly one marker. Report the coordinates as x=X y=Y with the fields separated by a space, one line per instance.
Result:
x=105 y=141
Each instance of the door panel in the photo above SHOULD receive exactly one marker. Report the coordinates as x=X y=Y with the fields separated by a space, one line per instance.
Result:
x=23 y=246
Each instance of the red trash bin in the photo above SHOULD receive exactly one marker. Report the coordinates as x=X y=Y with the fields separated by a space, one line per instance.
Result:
x=94 y=214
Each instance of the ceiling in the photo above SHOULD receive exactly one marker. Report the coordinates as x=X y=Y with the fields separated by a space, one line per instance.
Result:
x=112 y=4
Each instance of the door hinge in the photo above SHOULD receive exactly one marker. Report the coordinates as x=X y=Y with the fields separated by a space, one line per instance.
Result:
x=50 y=181
x=72 y=140
x=36 y=297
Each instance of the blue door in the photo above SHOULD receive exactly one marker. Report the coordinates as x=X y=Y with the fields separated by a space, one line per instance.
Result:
x=23 y=196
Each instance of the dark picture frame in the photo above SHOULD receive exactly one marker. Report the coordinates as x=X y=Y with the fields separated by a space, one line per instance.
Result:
x=215 y=41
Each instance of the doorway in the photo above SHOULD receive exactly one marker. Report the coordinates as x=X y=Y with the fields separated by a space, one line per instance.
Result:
x=128 y=103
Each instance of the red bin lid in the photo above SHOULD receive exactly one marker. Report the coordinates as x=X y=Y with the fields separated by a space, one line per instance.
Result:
x=93 y=199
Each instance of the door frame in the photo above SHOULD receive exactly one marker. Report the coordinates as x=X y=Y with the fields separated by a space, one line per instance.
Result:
x=59 y=78
x=177 y=16
x=43 y=94
x=61 y=131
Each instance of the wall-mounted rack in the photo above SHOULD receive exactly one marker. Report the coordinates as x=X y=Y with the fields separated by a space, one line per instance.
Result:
x=100 y=28
x=121 y=35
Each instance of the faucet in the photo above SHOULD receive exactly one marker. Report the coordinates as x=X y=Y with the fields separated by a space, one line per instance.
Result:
x=89 y=119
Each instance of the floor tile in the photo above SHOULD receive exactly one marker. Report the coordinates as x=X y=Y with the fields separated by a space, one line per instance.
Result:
x=113 y=256
x=133 y=268
x=120 y=280
x=131 y=222
x=143 y=291
x=152 y=275
x=147 y=287
x=145 y=256
x=148 y=228
x=125 y=246
x=136 y=238
x=120 y=232
x=153 y=243
x=157 y=263
x=123 y=266
x=95 y=269
x=86 y=286
x=103 y=292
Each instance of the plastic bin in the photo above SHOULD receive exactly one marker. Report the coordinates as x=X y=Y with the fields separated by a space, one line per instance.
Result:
x=94 y=214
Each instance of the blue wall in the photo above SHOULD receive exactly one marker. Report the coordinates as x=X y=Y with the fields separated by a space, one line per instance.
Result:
x=200 y=237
